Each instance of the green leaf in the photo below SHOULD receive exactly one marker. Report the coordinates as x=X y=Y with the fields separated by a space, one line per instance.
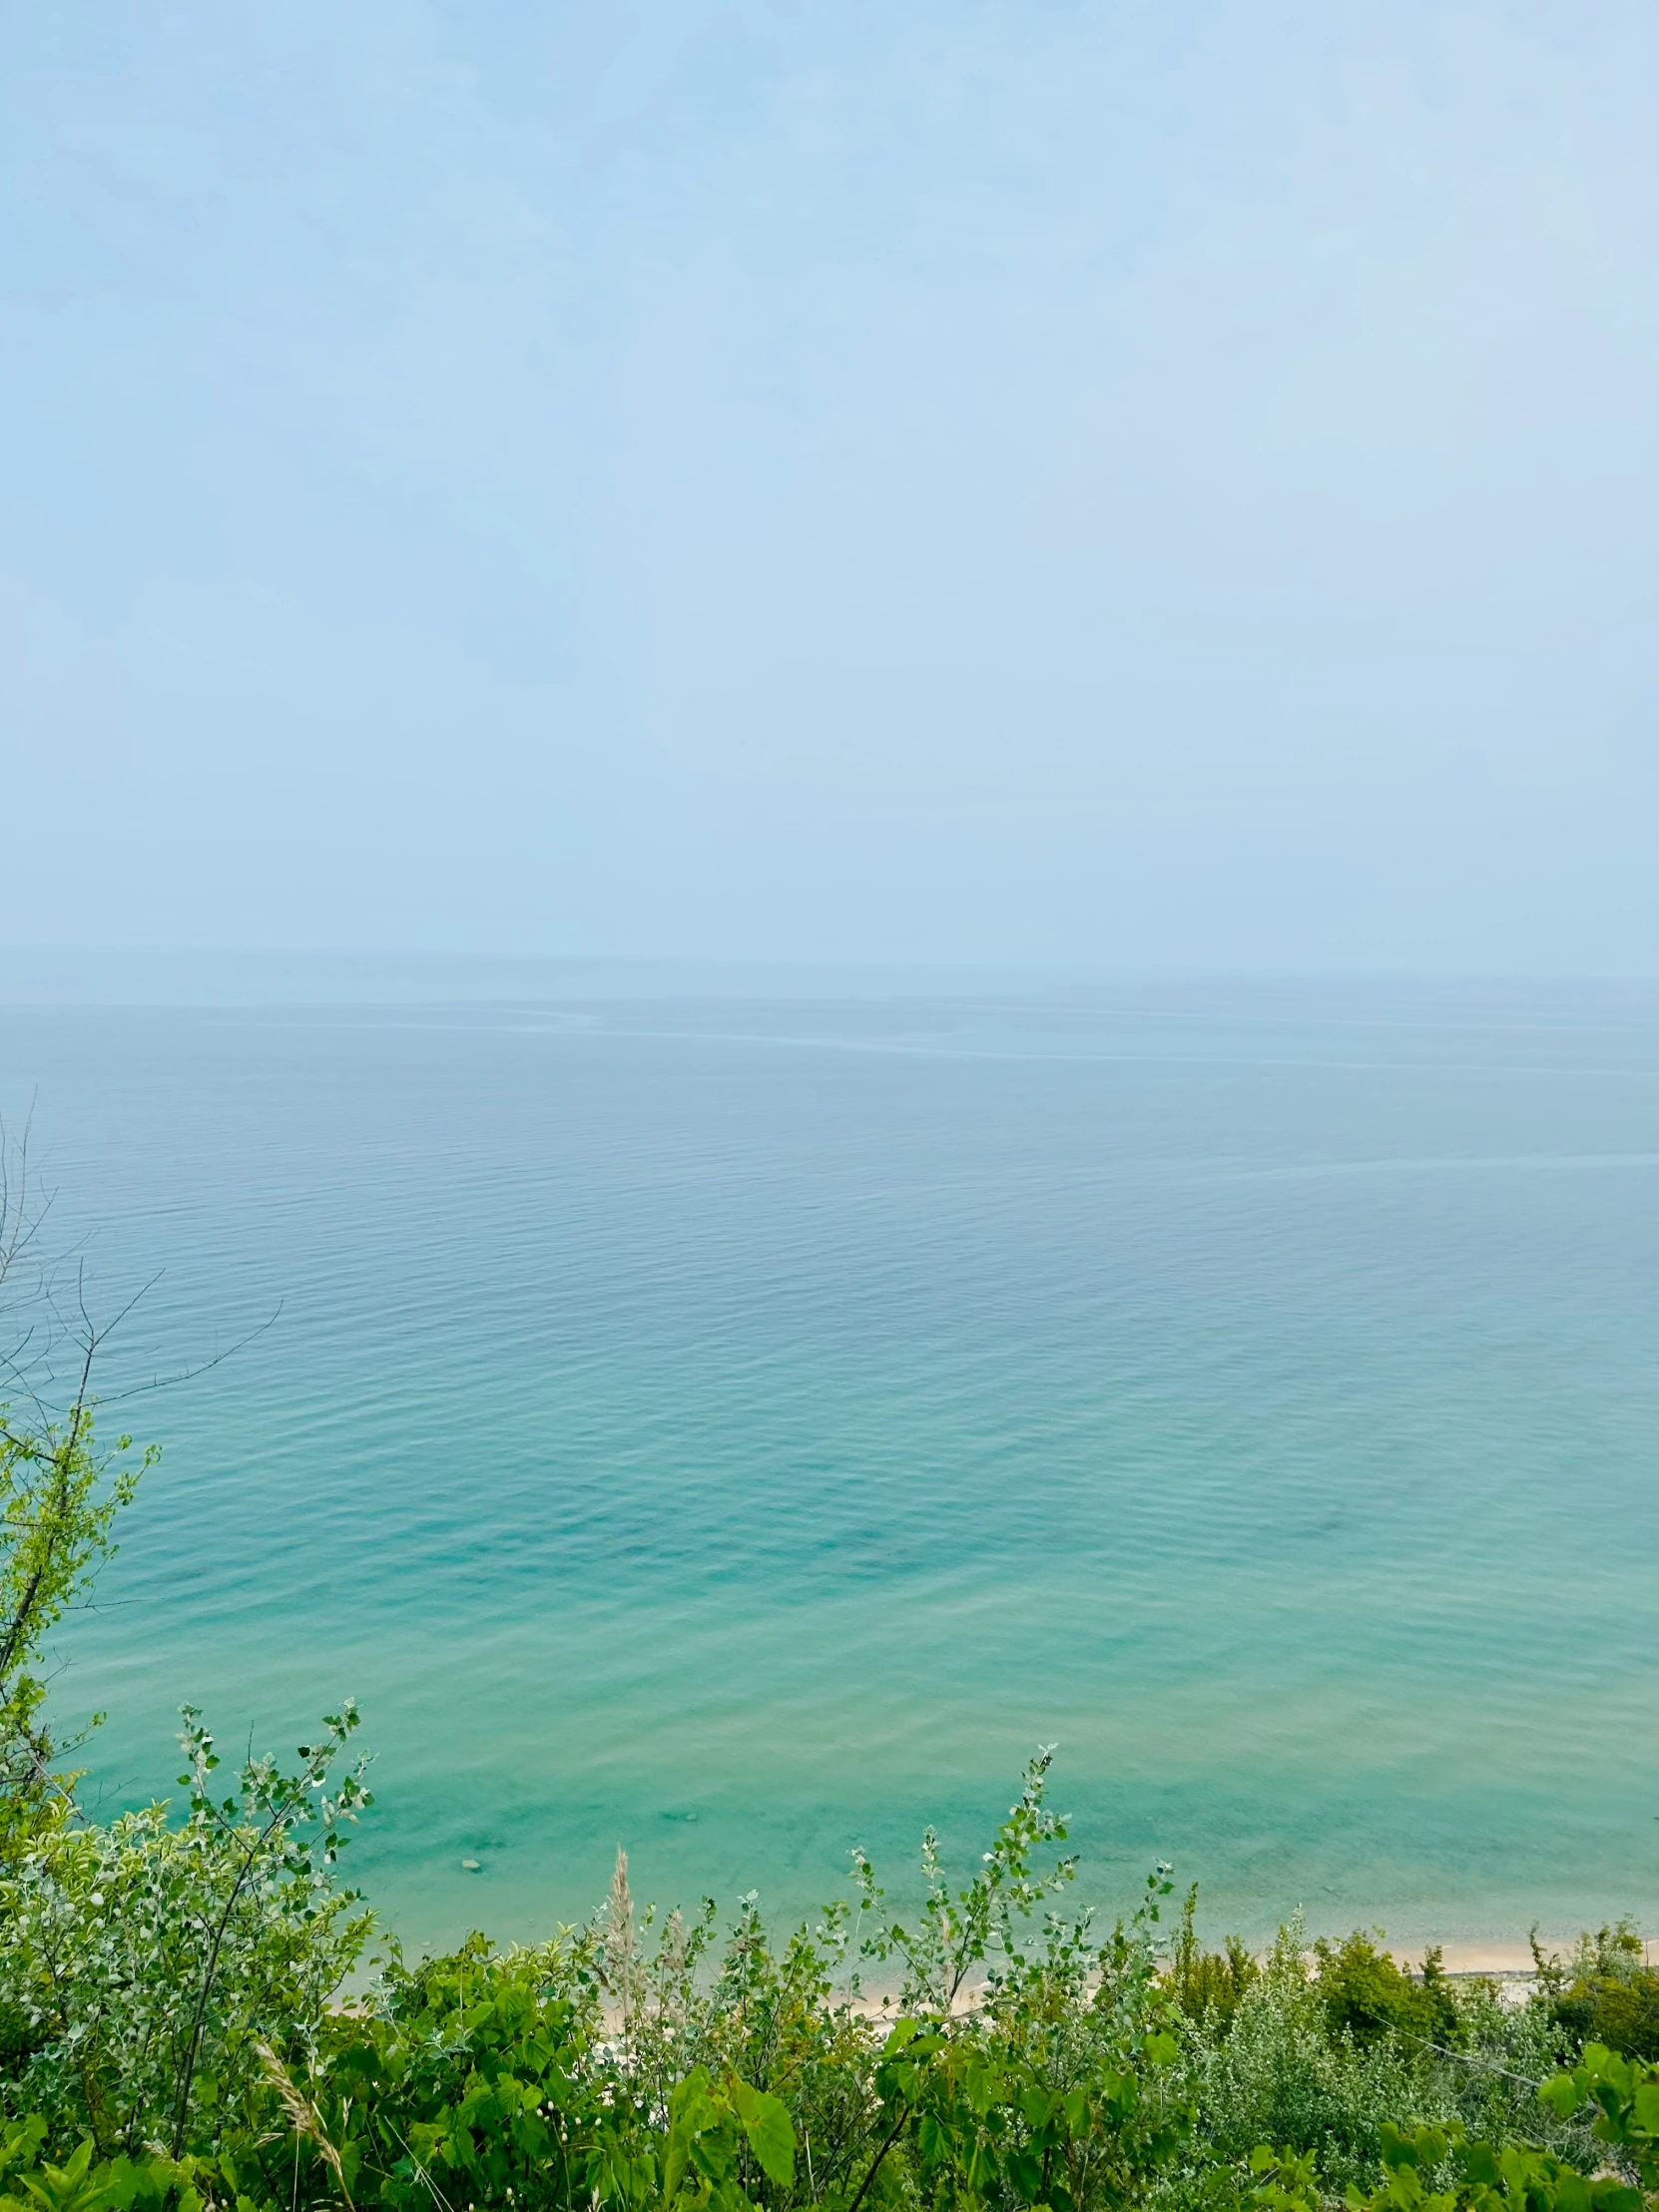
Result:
x=1562 y=2095
x=766 y=2121
x=1615 y=2196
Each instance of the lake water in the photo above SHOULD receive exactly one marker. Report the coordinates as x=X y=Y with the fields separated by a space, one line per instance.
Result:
x=744 y=1428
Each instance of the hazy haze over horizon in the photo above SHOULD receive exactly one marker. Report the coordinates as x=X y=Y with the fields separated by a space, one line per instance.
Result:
x=1058 y=484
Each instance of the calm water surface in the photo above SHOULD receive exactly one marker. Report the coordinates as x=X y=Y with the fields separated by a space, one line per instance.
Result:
x=740 y=1429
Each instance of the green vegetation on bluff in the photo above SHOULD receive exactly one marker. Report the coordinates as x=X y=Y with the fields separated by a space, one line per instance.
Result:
x=172 y=2033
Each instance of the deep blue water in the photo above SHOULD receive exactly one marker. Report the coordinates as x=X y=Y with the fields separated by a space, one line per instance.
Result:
x=744 y=1428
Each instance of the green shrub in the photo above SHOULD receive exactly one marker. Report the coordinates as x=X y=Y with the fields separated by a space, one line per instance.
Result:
x=1281 y=2072
x=1206 y=1985
x=1366 y=1996
x=145 y=1963
x=1607 y=1992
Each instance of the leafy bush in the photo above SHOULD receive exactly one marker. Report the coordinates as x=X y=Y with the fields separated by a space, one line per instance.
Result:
x=59 y=1496
x=1279 y=2071
x=1366 y=1996
x=143 y=1965
x=1607 y=1992
x=1206 y=1985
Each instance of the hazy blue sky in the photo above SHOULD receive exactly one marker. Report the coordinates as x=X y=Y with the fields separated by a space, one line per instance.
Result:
x=1006 y=479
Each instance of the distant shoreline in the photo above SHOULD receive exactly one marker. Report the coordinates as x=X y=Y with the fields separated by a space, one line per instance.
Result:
x=1508 y=1962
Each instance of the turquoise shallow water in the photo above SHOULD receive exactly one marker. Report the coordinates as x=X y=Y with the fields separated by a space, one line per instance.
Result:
x=744 y=1429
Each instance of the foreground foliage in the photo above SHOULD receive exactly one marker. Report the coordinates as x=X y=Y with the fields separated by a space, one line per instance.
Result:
x=179 y=2044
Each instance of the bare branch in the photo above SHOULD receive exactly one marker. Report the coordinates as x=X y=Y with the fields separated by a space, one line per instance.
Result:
x=201 y=1366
